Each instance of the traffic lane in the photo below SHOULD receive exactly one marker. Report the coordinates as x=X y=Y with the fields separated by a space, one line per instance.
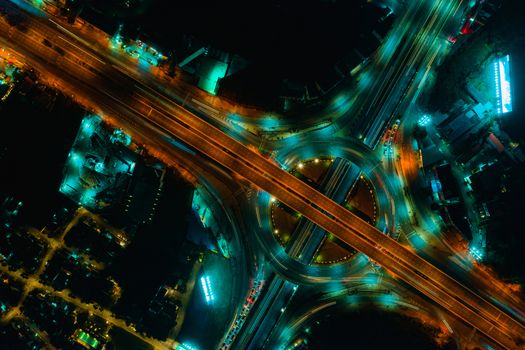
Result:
x=270 y=192
x=90 y=58
x=210 y=153
x=106 y=47
x=432 y=29
x=314 y=199
x=39 y=29
x=441 y=281
x=409 y=61
x=332 y=226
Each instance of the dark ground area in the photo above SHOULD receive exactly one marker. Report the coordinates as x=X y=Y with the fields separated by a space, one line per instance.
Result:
x=37 y=131
x=293 y=39
x=158 y=255
x=372 y=329
x=505 y=239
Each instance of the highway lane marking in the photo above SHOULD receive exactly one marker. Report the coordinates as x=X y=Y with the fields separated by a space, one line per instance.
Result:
x=221 y=170
x=156 y=94
x=151 y=93
x=204 y=107
x=84 y=51
x=447 y=325
x=408 y=280
x=74 y=36
x=65 y=30
x=258 y=216
x=200 y=106
x=399 y=302
x=208 y=111
x=125 y=71
x=165 y=99
x=319 y=308
x=141 y=86
x=151 y=108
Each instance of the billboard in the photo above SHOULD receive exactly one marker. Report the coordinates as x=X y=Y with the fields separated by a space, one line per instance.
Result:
x=502 y=85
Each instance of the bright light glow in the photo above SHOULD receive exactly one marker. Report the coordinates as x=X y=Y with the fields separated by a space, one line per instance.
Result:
x=89 y=123
x=76 y=159
x=424 y=120
x=208 y=283
x=88 y=197
x=387 y=300
x=211 y=72
x=300 y=165
x=371 y=280
x=99 y=167
x=502 y=85
x=206 y=287
x=272 y=199
x=185 y=346
x=476 y=253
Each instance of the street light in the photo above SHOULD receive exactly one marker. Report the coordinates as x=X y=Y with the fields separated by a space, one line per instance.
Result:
x=476 y=253
x=424 y=120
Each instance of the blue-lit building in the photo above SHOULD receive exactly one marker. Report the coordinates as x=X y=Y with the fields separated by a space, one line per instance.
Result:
x=98 y=167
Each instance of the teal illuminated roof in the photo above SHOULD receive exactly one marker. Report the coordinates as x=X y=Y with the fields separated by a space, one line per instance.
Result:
x=97 y=164
x=210 y=72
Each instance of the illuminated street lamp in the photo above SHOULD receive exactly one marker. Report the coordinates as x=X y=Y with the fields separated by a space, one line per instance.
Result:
x=424 y=120
x=206 y=287
x=476 y=253
x=186 y=346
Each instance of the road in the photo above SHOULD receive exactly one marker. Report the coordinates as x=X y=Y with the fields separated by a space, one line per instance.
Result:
x=394 y=75
x=304 y=243
x=106 y=315
x=142 y=111
x=33 y=282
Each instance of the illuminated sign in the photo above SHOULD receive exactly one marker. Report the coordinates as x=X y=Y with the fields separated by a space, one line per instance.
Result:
x=502 y=85
x=206 y=287
x=186 y=346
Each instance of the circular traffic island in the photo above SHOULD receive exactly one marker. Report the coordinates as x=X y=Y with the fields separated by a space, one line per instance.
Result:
x=303 y=240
